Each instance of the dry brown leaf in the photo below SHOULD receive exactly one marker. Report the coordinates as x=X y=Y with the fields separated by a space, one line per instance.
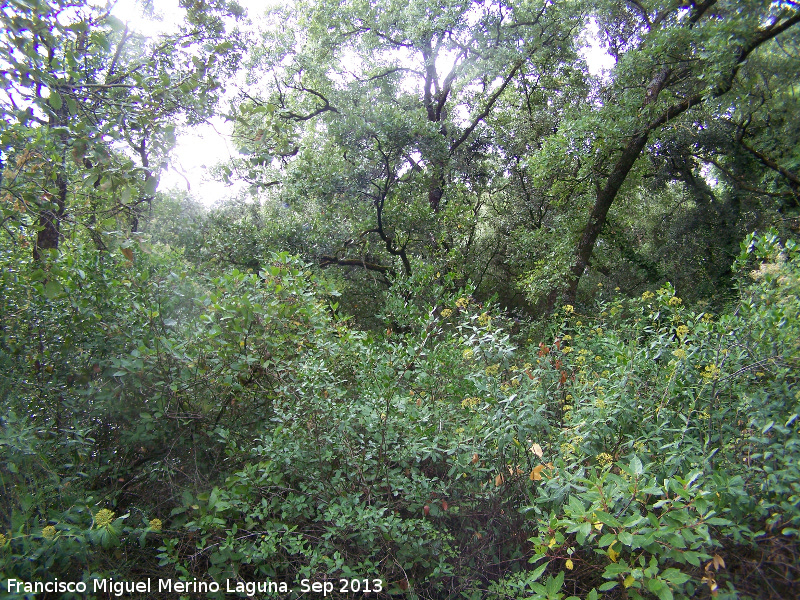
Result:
x=536 y=474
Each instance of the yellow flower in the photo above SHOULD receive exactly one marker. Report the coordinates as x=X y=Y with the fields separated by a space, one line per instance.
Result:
x=492 y=369
x=104 y=517
x=468 y=353
x=484 y=320
x=3 y=540
x=674 y=301
x=470 y=402
x=567 y=338
x=710 y=372
x=156 y=524
x=600 y=403
x=680 y=353
x=49 y=532
x=568 y=308
x=566 y=349
x=462 y=303
x=647 y=295
x=446 y=313
x=682 y=330
x=605 y=459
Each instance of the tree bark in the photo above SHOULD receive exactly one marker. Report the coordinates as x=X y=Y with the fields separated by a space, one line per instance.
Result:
x=47 y=237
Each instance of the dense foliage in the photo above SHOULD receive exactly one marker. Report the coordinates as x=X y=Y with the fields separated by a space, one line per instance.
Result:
x=485 y=325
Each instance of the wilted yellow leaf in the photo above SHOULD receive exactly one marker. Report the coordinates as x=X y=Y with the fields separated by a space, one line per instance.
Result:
x=536 y=474
x=628 y=581
x=537 y=450
x=718 y=561
x=613 y=554
x=551 y=543
x=128 y=253
x=569 y=564
x=475 y=458
x=498 y=481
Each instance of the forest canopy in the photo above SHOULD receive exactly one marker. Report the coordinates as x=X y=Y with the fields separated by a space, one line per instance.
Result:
x=484 y=321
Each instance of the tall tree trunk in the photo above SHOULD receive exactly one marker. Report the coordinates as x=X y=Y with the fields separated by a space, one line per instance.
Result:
x=47 y=237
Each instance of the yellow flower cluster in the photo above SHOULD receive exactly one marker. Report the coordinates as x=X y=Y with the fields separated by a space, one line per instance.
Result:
x=468 y=353
x=462 y=303
x=567 y=448
x=3 y=540
x=446 y=313
x=492 y=369
x=682 y=330
x=156 y=524
x=470 y=402
x=566 y=349
x=567 y=338
x=674 y=301
x=568 y=308
x=605 y=459
x=710 y=372
x=647 y=295
x=600 y=403
x=49 y=532
x=484 y=320
x=104 y=517
x=680 y=353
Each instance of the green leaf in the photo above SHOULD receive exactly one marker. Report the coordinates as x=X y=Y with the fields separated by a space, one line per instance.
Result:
x=52 y=289
x=660 y=589
x=537 y=572
x=675 y=576
x=608 y=585
x=54 y=99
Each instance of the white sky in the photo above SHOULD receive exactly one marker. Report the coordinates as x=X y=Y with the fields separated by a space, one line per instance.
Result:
x=202 y=147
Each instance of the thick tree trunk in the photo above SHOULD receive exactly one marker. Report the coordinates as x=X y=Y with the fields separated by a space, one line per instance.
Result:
x=597 y=220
